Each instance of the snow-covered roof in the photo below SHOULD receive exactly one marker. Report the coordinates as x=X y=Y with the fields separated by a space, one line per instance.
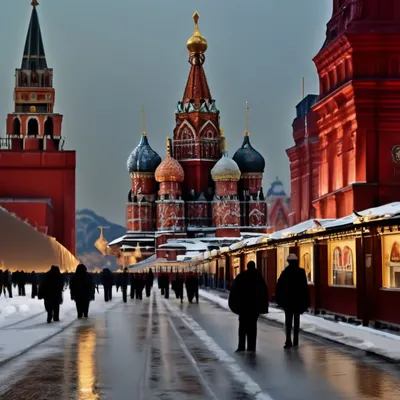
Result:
x=302 y=227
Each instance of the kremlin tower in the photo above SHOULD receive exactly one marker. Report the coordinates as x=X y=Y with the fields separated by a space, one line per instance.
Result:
x=37 y=177
x=197 y=191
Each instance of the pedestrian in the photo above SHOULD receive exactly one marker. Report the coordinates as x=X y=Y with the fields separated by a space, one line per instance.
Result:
x=248 y=298
x=192 y=287
x=149 y=282
x=82 y=290
x=2 y=284
x=292 y=295
x=133 y=285
x=139 y=286
x=21 y=281
x=34 y=283
x=7 y=283
x=179 y=282
x=124 y=280
x=50 y=291
x=107 y=280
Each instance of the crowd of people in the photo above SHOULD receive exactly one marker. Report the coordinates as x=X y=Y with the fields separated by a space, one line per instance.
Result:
x=248 y=296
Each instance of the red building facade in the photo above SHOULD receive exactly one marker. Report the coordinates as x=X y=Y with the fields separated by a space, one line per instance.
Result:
x=37 y=178
x=357 y=129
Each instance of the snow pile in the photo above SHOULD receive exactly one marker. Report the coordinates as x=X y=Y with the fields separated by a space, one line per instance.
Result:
x=363 y=338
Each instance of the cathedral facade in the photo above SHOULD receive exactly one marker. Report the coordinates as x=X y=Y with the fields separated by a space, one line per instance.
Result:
x=196 y=190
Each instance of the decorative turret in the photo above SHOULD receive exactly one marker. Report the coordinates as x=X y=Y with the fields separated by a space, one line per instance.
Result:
x=170 y=206
x=225 y=170
x=141 y=164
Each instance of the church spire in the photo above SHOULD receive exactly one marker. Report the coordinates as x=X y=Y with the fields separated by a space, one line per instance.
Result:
x=34 y=57
x=196 y=87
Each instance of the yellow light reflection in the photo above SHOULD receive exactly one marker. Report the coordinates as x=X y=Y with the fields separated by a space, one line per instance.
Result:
x=86 y=365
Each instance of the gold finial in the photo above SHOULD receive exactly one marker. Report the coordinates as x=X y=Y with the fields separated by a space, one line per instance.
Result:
x=168 y=146
x=303 y=92
x=247 y=119
x=34 y=3
x=197 y=43
x=222 y=131
x=143 y=122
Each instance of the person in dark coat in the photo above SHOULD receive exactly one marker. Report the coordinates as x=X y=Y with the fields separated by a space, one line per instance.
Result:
x=292 y=295
x=107 y=281
x=7 y=283
x=50 y=291
x=248 y=298
x=139 y=286
x=82 y=290
x=179 y=282
x=2 y=284
x=21 y=281
x=192 y=287
x=34 y=283
x=124 y=284
x=149 y=282
x=133 y=285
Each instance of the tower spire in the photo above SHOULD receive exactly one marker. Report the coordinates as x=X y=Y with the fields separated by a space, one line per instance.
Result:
x=34 y=57
x=143 y=122
x=247 y=133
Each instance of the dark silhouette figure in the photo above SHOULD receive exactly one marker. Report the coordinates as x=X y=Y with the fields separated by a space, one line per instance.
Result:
x=124 y=284
x=164 y=284
x=133 y=285
x=82 y=290
x=107 y=280
x=293 y=296
x=192 y=287
x=34 y=283
x=51 y=290
x=149 y=282
x=179 y=282
x=248 y=298
x=21 y=281
x=139 y=286
x=2 y=284
x=7 y=283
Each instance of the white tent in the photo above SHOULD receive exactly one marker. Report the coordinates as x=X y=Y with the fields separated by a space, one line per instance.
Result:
x=22 y=247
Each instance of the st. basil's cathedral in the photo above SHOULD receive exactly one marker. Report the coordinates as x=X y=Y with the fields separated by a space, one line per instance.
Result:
x=197 y=191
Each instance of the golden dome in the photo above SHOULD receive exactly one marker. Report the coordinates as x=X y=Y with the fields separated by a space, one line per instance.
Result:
x=197 y=43
x=169 y=170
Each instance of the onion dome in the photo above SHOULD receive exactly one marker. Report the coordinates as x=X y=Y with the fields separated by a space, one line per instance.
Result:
x=169 y=170
x=143 y=158
x=225 y=170
x=277 y=189
x=197 y=43
x=247 y=157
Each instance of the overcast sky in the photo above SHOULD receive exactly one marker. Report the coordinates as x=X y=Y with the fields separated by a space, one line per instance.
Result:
x=110 y=57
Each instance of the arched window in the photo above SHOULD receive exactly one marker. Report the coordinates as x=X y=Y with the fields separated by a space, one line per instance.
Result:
x=395 y=253
x=49 y=126
x=33 y=127
x=16 y=126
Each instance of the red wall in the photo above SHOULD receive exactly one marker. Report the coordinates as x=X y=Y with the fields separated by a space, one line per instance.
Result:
x=49 y=175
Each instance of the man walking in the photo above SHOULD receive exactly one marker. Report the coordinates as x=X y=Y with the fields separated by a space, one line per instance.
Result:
x=248 y=298
x=293 y=296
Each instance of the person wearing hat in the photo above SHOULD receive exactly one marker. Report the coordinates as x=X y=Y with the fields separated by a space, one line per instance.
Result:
x=292 y=295
x=248 y=298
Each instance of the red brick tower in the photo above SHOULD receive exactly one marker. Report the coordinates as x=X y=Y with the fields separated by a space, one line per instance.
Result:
x=357 y=121
x=196 y=137
x=226 y=206
x=37 y=178
x=170 y=206
x=141 y=164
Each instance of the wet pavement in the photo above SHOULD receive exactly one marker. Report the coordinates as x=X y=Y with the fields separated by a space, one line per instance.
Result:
x=161 y=349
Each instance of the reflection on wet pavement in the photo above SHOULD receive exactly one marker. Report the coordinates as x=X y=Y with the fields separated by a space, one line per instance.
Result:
x=140 y=351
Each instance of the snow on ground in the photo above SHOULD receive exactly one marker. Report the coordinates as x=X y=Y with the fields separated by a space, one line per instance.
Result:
x=23 y=320
x=363 y=338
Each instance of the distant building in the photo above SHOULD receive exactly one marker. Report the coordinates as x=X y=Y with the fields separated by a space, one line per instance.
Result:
x=37 y=178
x=278 y=206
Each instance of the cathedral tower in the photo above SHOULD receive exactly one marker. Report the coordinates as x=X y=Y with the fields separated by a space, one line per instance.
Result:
x=37 y=178
x=359 y=132
x=196 y=139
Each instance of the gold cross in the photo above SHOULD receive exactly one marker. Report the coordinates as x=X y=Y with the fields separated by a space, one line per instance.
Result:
x=247 y=119
x=143 y=122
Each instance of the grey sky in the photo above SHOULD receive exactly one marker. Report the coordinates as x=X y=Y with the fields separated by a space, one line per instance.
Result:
x=110 y=57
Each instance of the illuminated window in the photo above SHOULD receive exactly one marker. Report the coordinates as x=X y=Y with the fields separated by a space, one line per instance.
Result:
x=342 y=264
x=391 y=261
x=281 y=262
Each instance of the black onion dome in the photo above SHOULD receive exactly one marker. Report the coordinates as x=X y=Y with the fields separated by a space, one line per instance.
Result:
x=143 y=158
x=248 y=158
